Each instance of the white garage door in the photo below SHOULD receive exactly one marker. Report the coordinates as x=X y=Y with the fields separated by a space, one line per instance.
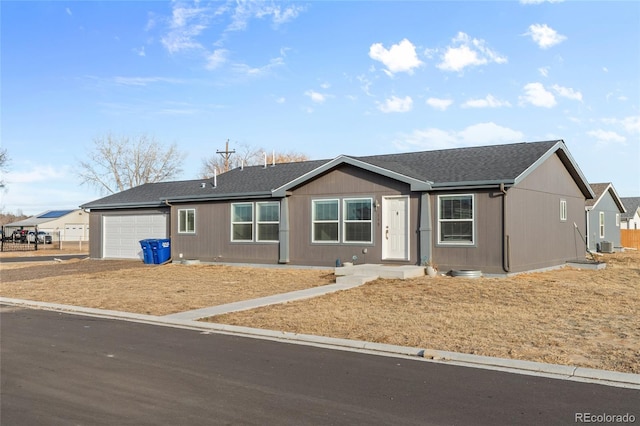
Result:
x=122 y=234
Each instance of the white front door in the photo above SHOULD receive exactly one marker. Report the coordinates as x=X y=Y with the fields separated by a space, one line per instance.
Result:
x=395 y=228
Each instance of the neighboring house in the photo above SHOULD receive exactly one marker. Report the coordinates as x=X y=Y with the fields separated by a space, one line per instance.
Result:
x=604 y=213
x=71 y=225
x=631 y=218
x=501 y=208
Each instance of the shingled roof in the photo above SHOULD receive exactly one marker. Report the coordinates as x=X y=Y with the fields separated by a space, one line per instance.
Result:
x=631 y=204
x=599 y=189
x=424 y=170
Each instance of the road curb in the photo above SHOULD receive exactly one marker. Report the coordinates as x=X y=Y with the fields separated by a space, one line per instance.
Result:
x=556 y=371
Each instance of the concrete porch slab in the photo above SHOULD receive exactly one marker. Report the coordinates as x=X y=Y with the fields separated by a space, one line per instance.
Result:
x=383 y=271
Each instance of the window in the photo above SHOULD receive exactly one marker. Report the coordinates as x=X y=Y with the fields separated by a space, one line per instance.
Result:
x=268 y=221
x=601 y=224
x=357 y=220
x=618 y=220
x=455 y=219
x=563 y=210
x=187 y=221
x=242 y=222
x=325 y=221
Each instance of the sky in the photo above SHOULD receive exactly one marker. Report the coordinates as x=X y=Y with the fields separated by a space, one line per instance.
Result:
x=322 y=78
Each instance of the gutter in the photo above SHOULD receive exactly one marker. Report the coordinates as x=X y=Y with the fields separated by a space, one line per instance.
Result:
x=506 y=246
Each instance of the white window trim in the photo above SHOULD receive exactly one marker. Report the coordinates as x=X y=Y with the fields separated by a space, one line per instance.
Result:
x=187 y=231
x=601 y=224
x=472 y=220
x=243 y=223
x=314 y=221
x=563 y=210
x=345 y=221
x=265 y=222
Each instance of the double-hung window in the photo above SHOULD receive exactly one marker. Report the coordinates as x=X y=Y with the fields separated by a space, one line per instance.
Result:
x=265 y=221
x=326 y=219
x=357 y=220
x=601 y=224
x=242 y=222
x=187 y=221
x=268 y=221
x=348 y=220
x=456 y=219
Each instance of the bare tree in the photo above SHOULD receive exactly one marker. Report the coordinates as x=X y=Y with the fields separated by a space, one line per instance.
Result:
x=4 y=165
x=249 y=156
x=116 y=163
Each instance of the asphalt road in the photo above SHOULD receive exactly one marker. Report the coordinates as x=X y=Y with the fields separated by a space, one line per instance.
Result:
x=63 y=369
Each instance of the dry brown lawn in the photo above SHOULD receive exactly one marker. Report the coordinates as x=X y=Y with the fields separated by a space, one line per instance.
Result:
x=576 y=317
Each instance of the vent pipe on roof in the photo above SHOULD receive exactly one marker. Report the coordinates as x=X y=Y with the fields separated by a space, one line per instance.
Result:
x=273 y=158
x=203 y=185
x=215 y=177
x=265 y=159
x=242 y=164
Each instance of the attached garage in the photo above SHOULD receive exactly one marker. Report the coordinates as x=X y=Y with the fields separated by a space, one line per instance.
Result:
x=122 y=233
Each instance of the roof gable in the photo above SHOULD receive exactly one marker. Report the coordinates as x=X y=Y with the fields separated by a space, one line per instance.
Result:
x=600 y=190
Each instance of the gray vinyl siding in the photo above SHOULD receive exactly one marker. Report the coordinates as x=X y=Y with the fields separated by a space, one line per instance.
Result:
x=340 y=183
x=211 y=241
x=212 y=238
x=611 y=231
x=537 y=236
x=486 y=252
x=96 y=221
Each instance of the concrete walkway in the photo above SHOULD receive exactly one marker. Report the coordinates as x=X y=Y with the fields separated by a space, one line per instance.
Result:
x=262 y=301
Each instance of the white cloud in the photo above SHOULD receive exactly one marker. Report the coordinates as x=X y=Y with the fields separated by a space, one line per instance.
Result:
x=396 y=104
x=249 y=71
x=544 y=35
x=567 y=92
x=139 y=52
x=186 y=24
x=316 y=97
x=281 y=100
x=474 y=135
x=630 y=124
x=244 y=11
x=605 y=137
x=217 y=58
x=537 y=95
x=37 y=173
x=544 y=71
x=144 y=81
x=68 y=11
x=539 y=1
x=488 y=102
x=441 y=104
x=400 y=57
x=465 y=51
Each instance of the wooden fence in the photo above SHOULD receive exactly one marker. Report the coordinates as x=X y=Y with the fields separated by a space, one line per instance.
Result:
x=630 y=238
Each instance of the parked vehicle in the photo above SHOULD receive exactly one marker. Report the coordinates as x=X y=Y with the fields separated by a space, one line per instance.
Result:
x=43 y=237
x=19 y=236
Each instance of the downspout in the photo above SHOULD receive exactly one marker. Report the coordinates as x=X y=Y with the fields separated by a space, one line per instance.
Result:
x=170 y=228
x=283 y=255
x=506 y=247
